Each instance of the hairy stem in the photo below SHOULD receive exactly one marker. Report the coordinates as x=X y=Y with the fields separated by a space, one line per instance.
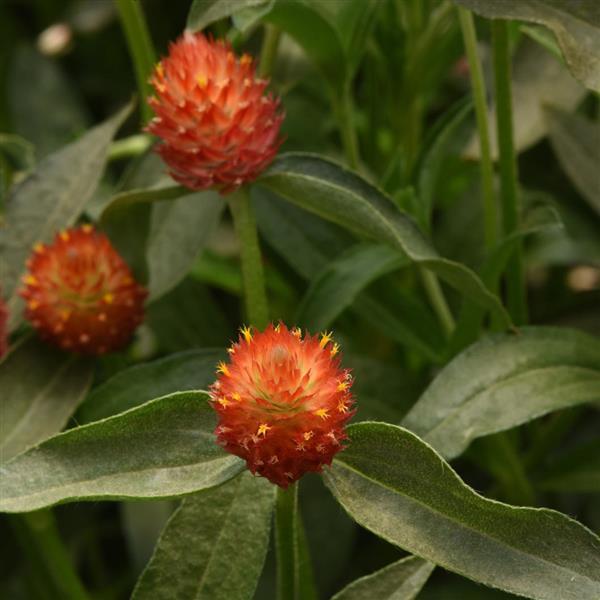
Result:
x=515 y=280
x=434 y=292
x=255 y=296
x=140 y=49
x=39 y=537
x=294 y=575
x=490 y=210
x=268 y=52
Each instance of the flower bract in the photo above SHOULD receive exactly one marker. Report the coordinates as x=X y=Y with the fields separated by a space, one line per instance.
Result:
x=217 y=126
x=80 y=294
x=283 y=402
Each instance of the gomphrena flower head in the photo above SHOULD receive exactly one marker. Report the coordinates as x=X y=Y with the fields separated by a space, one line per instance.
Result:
x=80 y=294
x=282 y=402
x=217 y=126
x=3 y=327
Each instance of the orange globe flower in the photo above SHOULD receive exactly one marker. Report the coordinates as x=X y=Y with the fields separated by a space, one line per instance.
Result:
x=282 y=402
x=218 y=128
x=3 y=328
x=80 y=294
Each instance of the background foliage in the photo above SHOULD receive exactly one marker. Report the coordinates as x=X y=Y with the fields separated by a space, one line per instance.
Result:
x=373 y=220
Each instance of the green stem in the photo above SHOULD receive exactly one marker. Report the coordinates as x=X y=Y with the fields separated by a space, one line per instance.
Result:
x=253 y=276
x=515 y=281
x=345 y=114
x=140 y=49
x=38 y=535
x=268 y=52
x=128 y=147
x=294 y=574
x=437 y=299
x=490 y=211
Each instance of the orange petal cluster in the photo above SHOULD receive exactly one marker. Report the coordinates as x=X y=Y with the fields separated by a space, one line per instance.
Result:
x=217 y=127
x=80 y=294
x=3 y=328
x=283 y=402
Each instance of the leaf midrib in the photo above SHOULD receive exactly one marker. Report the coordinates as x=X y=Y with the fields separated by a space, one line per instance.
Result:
x=498 y=384
x=462 y=525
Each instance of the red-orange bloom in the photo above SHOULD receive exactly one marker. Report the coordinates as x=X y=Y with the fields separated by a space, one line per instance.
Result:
x=283 y=402
x=80 y=294
x=218 y=128
x=3 y=328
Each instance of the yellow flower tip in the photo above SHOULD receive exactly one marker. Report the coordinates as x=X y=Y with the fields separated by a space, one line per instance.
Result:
x=223 y=402
x=108 y=298
x=334 y=349
x=262 y=429
x=247 y=333
x=297 y=332
x=246 y=59
x=342 y=407
x=29 y=280
x=322 y=412
x=201 y=80
x=307 y=435
x=325 y=339
x=32 y=304
x=87 y=228
x=222 y=368
x=39 y=248
x=277 y=328
x=236 y=397
x=231 y=349
x=343 y=386
x=64 y=236
x=159 y=69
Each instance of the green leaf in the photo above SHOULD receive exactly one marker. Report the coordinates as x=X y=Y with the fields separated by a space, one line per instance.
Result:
x=337 y=286
x=191 y=370
x=179 y=231
x=403 y=491
x=162 y=449
x=575 y=24
x=52 y=197
x=307 y=243
x=47 y=129
x=18 y=153
x=41 y=389
x=214 y=545
x=504 y=381
x=345 y=198
x=314 y=32
x=576 y=142
x=402 y=580
x=433 y=159
x=576 y=471
x=204 y=12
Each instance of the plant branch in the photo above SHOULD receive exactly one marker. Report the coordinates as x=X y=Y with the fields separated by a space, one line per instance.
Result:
x=515 y=281
x=140 y=49
x=268 y=53
x=255 y=296
x=434 y=292
x=38 y=535
x=490 y=210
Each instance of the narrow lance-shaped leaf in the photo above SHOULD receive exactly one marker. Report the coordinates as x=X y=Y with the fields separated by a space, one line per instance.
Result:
x=204 y=12
x=397 y=486
x=164 y=448
x=41 y=389
x=52 y=197
x=576 y=141
x=214 y=545
x=575 y=24
x=402 y=580
x=342 y=280
x=504 y=381
x=334 y=193
x=182 y=371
